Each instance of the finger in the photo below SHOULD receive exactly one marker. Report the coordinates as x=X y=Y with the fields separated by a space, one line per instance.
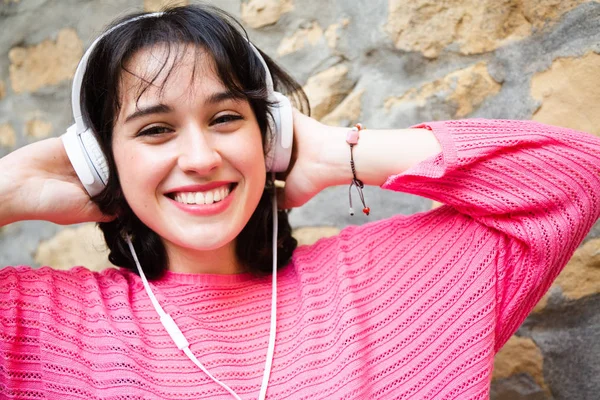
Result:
x=107 y=218
x=95 y=215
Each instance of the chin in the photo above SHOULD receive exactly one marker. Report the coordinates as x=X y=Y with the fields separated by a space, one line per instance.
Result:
x=203 y=242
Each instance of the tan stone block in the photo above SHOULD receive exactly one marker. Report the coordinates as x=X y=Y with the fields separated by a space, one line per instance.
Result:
x=520 y=355
x=581 y=276
x=46 y=63
x=332 y=32
x=569 y=93
x=466 y=89
x=38 y=129
x=544 y=12
x=428 y=26
x=327 y=89
x=259 y=13
x=157 y=5
x=309 y=235
x=2 y=89
x=8 y=137
x=83 y=245
x=436 y=204
x=347 y=112
x=310 y=35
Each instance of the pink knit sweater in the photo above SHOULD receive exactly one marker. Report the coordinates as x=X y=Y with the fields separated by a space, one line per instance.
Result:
x=411 y=307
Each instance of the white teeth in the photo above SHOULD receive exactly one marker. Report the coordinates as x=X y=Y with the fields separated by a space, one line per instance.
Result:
x=208 y=197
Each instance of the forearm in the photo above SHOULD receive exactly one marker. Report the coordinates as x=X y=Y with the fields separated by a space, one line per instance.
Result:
x=378 y=154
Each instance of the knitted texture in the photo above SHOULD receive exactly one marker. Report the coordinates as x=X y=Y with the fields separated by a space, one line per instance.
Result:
x=411 y=307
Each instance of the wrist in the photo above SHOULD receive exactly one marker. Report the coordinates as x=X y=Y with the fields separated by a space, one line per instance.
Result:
x=334 y=157
x=9 y=185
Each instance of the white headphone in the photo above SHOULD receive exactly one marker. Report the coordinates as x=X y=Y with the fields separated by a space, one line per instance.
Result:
x=90 y=163
x=91 y=167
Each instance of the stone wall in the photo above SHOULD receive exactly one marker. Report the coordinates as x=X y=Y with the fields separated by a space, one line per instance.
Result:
x=386 y=63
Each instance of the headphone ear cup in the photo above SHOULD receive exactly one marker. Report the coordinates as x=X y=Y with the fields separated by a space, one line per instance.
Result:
x=282 y=129
x=95 y=155
x=86 y=158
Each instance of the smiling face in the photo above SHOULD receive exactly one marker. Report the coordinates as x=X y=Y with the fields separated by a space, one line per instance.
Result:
x=189 y=155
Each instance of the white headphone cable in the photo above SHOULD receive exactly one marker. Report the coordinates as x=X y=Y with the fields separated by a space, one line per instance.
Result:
x=273 y=328
x=180 y=339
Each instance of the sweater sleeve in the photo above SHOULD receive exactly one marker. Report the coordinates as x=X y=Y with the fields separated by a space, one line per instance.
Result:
x=536 y=185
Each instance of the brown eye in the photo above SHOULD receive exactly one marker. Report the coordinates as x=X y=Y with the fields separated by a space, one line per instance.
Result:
x=223 y=119
x=153 y=131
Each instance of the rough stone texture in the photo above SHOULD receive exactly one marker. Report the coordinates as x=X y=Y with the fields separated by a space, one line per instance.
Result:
x=566 y=90
x=310 y=234
x=308 y=34
x=332 y=33
x=465 y=89
x=543 y=302
x=474 y=26
x=581 y=276
x=38 y=129
x=517 y=387
x=520 y=355
x=47 y=63
x=8 y=137
x=157 y=5
x=83 y=245
x=491 y=59
x=567 y=335
x=259 y=13
x=347 y=112
x=327 y=89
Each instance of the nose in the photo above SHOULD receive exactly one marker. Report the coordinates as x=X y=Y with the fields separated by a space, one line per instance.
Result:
x=197 y=152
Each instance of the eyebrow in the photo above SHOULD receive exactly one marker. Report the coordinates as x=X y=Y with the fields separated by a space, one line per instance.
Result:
x=155 y=109
x=219 y=97
x=214 y=98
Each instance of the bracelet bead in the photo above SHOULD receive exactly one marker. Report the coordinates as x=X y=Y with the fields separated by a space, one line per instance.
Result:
x=352 y=136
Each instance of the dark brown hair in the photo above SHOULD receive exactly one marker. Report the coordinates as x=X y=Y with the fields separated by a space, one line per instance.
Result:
x=240 y=71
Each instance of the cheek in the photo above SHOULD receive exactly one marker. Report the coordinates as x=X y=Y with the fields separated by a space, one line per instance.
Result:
x=252 y=159
x=138 y=173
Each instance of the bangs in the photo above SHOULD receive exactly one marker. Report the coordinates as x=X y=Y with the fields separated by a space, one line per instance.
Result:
x=163 y=59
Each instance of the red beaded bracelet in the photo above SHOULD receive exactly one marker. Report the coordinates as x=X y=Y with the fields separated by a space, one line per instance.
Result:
x=352 y=139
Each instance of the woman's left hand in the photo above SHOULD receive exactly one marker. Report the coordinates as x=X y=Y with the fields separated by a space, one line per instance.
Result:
x=307 y=174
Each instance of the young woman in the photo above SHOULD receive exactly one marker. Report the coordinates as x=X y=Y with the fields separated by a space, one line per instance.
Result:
x=411 y=307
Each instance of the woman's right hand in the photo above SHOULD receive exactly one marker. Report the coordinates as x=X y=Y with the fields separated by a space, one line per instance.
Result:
x=38 y=182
